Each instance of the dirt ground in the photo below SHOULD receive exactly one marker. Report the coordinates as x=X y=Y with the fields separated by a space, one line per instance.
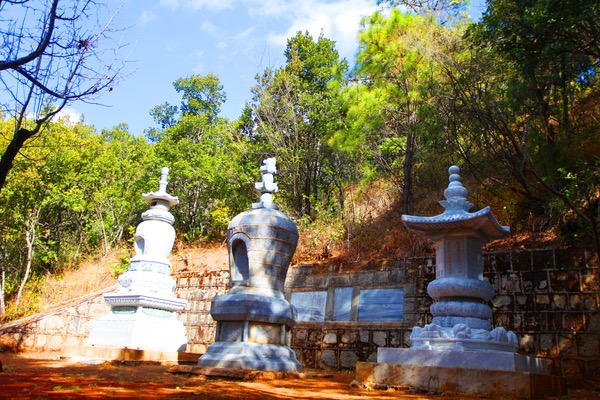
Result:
x=48 y=376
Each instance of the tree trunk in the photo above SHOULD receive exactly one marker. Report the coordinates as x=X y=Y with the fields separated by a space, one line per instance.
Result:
x=407 y=189
x=105 y=246
x=30 y=237
x=2 y=300
x=13 y=148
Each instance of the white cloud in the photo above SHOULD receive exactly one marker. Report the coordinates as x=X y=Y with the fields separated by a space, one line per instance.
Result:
x=172 y=4
x=198 y=69
x=195 y=5
x=210 y=4
x=172 y=46
x=146 y=17
x=274 y=8
x=69 y=115
x=209 y=27
x=337 y=20
x=246 y=34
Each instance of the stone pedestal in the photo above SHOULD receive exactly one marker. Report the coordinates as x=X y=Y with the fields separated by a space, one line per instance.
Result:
x=494 y=384
x=144 y=309
x=459 y=351
x=465 y=359
x=254 y=318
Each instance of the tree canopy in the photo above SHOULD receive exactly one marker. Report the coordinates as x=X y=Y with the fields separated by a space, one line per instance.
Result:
x=512 y=99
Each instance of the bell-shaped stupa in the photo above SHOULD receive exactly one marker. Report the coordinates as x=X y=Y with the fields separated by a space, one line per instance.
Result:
x=254 y=319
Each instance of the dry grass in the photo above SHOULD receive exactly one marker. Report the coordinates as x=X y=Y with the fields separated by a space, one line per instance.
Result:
x=91 y=275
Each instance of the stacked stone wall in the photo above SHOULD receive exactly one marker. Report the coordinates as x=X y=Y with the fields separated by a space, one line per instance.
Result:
x=339 y=345
x=199 y=290
x=56 y=328
x=550 y=298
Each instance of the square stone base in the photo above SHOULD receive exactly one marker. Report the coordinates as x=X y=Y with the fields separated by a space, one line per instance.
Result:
x=248 y=355
x=139 y=331
x=481 y=382
x=469 y=359
x=97 y=353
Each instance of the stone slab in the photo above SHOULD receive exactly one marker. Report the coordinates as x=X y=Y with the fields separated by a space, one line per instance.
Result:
x=381 y=305
x=310 y=305
x=124 y=354
x=488 y=383
x=484 y=360
x=342 y=304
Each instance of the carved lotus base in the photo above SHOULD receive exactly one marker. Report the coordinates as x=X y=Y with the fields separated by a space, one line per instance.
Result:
x=461 y=337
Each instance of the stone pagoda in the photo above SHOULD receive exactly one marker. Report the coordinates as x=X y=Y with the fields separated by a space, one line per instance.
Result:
x=459 y=351
x=254 y=318
x=143 y=313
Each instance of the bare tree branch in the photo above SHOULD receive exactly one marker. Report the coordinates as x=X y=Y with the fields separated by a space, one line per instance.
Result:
x=51 y=55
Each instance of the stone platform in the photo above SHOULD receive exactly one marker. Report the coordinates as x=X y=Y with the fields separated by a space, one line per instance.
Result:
x=102 y=353
x=139 y=330
x=248 y=355
x=489 y=360
x=484 y=373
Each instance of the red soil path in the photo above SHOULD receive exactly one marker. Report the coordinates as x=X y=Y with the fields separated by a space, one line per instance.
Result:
x=47 y=376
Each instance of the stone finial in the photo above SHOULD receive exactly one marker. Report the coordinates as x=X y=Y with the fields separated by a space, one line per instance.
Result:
x=268 y=186
x=161 y=197
x=456 y=194
x=162 y=184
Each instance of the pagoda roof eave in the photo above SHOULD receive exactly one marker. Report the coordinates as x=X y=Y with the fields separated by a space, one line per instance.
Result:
x=153 y=196
x=481 y=223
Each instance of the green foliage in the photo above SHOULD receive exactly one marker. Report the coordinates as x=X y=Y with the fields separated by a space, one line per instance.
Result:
x=201 y=96
x=443 y=9
x=525 y=102
x=71 y=191
x=322 y=235
x=514 y=102
x=206 y=156
x=391 y=112
x=121 y=267
x=296 y=112
x=31 y=303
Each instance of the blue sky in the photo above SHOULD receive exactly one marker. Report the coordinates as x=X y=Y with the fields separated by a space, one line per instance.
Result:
x=234 y=39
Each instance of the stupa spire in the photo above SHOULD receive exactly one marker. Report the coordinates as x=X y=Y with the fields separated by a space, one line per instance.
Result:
x=267 y=186
x=456 y=194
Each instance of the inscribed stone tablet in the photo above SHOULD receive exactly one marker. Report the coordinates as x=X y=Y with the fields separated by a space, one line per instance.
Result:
x=231 y=331
x=310 y=305
x=384 y=305
x=342 y=304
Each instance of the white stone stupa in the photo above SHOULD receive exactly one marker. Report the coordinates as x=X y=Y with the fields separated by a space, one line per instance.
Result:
x=460 y=351
x=143 y=312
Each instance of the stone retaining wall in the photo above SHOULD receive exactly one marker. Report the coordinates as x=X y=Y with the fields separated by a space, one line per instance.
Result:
x=56 y=328
x=550 y=298
x=199 y=292
x=339 y=345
